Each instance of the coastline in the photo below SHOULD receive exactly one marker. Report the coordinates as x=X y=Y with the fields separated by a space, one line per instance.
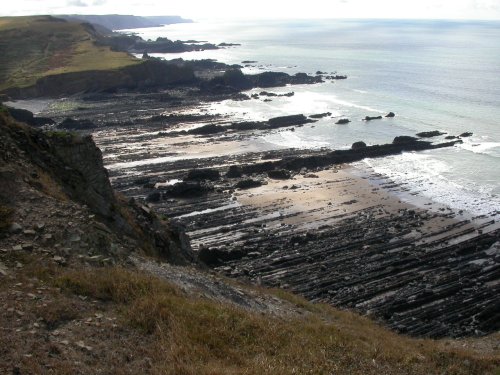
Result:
x=305 y=220
x=151 y=228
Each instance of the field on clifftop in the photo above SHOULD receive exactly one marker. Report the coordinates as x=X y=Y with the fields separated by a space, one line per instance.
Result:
x=38 y=46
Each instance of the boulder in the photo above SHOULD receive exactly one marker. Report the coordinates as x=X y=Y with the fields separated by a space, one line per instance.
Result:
x=234 y=171
x=358 y=145
x=202 y=174
x=430 y=134
x=466 y=134
x=390 y=114
x=15 y=228
x=369 y=118
x=248 y=184
x=343 y=121
x=279 y=174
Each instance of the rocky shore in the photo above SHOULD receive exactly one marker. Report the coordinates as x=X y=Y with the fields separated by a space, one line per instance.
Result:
x=142 y=231
x=291 y=218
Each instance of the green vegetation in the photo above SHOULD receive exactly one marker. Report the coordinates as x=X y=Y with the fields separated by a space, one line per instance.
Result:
x=38 y=46
x=193 y=335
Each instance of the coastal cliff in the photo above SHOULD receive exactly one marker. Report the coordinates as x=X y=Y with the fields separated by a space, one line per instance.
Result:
x=117 y=248
x=70 y=166
x=145 y=76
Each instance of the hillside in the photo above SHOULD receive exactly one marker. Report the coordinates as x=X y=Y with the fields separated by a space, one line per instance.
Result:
x=85 y=288
x=119 y=22
x=41 y=46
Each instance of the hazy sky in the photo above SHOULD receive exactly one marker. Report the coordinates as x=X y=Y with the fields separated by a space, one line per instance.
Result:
x=199 y=9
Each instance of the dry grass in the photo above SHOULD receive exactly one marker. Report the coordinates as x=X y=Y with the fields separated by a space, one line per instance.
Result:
x=196 y=336
x=58 y=312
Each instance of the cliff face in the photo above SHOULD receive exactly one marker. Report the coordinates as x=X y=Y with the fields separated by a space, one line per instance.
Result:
x=149 y=74
x=70 y=167
x=78 y=164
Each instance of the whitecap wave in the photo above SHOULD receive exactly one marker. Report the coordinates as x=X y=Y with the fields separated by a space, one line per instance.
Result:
x=292 y=140
x=485 y=148
x=425 y=175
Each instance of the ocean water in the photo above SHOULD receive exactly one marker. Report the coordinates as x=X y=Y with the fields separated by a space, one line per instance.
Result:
x=435 y=75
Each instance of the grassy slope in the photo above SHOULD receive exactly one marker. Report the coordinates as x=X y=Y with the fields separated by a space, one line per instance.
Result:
x=34 y=47
x=196 y=336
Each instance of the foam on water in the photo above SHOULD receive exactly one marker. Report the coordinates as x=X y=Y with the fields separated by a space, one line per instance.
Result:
x=421 y=173
x=485 y=148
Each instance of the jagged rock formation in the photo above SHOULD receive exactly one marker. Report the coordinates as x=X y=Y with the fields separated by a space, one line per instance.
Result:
x=66 y=164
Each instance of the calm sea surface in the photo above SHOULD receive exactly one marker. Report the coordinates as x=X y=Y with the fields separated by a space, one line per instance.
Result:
x=435 y=75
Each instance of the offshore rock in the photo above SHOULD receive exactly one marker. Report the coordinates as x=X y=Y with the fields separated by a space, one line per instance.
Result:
x=292 y=120
x=343 y=121
x=434 y=133
x=321 y=115
x=358 y=145
x=403 y=139
x=370 y=118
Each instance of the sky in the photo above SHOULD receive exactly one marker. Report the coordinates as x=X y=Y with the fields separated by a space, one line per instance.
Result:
x=205 y=9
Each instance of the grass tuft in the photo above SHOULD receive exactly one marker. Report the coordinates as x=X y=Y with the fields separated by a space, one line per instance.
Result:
x=57 y=313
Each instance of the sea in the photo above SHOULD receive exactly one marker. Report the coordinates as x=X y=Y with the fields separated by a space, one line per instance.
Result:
x=433 y=74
